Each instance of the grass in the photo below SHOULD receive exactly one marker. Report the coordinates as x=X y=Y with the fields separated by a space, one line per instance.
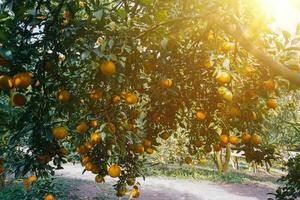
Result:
x=197 y=173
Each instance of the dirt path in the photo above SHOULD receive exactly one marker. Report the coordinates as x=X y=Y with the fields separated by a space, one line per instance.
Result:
x=161 y=188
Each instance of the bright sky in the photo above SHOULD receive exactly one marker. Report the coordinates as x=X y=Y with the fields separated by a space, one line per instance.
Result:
x=286 y=15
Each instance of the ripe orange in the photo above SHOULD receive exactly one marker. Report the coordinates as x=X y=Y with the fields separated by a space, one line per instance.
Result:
x=255 y=140
x=82 y=127
x=121 y=192
x=111 y=128
x=165 y=135
x=32 y=179
x=217 y=147
x=89 y=166
x=19 y=100
x=234 y=111
x=96 y=138
x=139 y=148
x=130 y=181
x=114 y=171
x=246 y=137
x=131 y=98
x=200 y=115
x=147 y=143
x=93 y=123
x=233 y=140
x=96 y=94
x=49 y=197
x=84 y=160
x=6 y=82
x=225 y=93
x=166 y=83
x=272 y=103
x=228 y=46
x=269 y=85
x=188 y=160
x=108 y=68
x=99 y=179
x=22 y=80
x=60 y=133
x=135 y=193
x=116 y=99
x=224 y=139
x=63 y=96
x=223 y=77
x=88 y=145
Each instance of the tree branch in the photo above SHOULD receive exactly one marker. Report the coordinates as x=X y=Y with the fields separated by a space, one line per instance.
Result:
x=260 y=55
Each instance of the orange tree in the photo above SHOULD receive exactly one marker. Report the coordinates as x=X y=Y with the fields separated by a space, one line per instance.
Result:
x=105 y=79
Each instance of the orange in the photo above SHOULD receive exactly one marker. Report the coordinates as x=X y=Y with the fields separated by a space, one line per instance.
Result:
x=32 y=179
x=165 y=135
x=22 y=80
x=139 y=148
x=135 y=193
x=269 y=85
x=18 y=100
x=82 y=127
x=99 y=179
x=96 y=94
x=6 y=82
x=63 y=96
x=130 y=181
x=131 y=98
x=272 y=103
x=108 y=68
x=114 y=171
x=88 y=145
x=246 y=137
x=224 y=139
x=188 y=160
x=147 y=143
x=255 y=140
x=223 y=77
x=49 y=197
x=150 y=150
x=60 y=133
x=116 y=99
x=85 y=159
x=233 y=140
x=228 y=46
x=217 y=147
x=93 y=123
x=96 y=138
x=111 y=128
x=121 y=192
x=234 y=111
x=89 y=166
x=166 y=83
x=200 y=115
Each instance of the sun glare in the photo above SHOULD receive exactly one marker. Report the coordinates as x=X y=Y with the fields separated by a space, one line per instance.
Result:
x=285 y=15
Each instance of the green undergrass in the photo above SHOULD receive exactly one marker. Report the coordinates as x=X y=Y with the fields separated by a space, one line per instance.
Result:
x=197 y=173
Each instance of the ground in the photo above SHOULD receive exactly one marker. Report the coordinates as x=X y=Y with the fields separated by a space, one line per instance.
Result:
x=163 y=188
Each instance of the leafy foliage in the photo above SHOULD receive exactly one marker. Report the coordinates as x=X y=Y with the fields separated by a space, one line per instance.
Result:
x=141 y=69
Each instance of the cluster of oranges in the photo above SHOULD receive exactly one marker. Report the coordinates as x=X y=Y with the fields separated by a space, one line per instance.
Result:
x=18 y=81
x=29 y=181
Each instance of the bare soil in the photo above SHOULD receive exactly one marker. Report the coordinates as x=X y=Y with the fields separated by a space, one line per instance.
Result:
x=161 y=188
